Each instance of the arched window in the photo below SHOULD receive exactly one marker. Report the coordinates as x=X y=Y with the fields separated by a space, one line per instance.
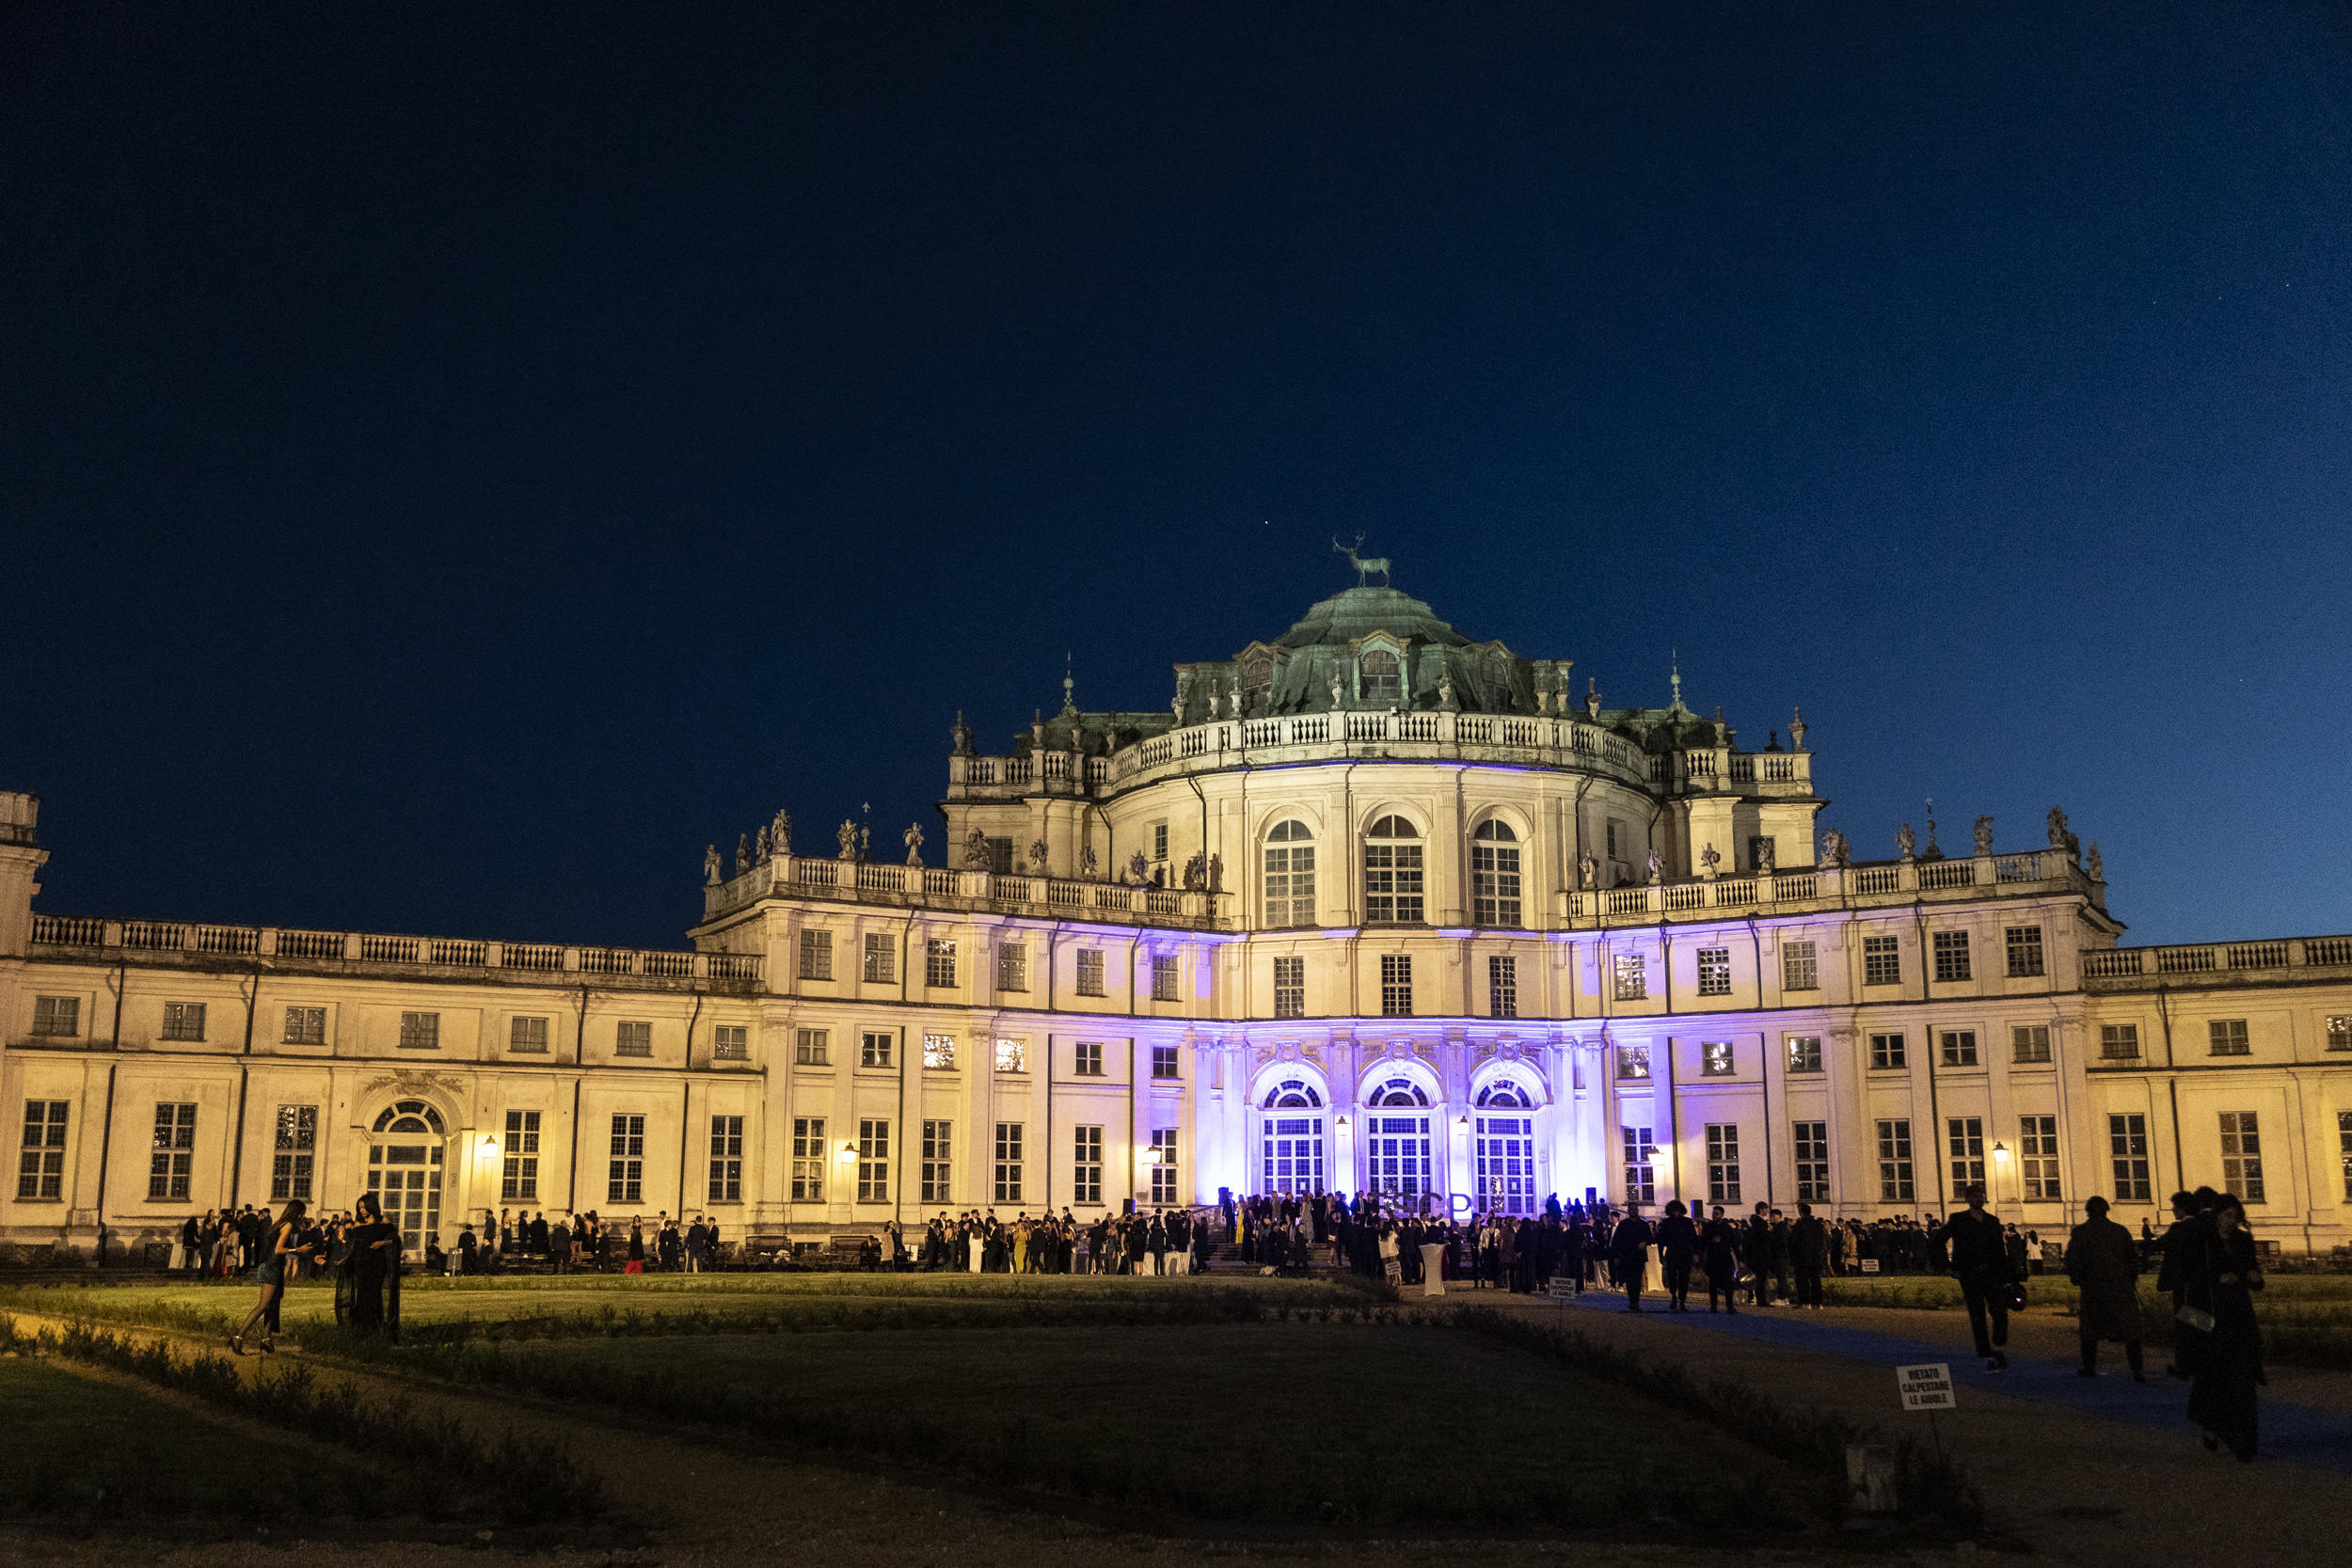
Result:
x=1503 y=1092
x=1292 y=1094
x=1399 y=1091
x=1494 y=875
x=1392 y=892
x=410 y=1116
x=1495 y=669
x=1384 y=680
x=1257 y=678
x=1290 y=876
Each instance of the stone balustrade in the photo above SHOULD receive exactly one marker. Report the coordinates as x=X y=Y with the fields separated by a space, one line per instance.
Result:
x=1572 y=742
x=2211 y=963
x=1891 y=881
x=358 y=952
x=935 y=887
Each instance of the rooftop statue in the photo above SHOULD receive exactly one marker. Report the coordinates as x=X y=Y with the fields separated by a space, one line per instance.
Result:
x=1087 y=863
x=1709 y=859
x=1983 y=832
x=1364 y=565
x=1796 y=730
x=1657 y=869
x=975 y=855
x=1217 y=873
x=1338 y=688
x=743 y=853
x=913 y=837
x=759 y=845
x=1765 y=856
x=780 y=831
x=1834 y=852
x=1138 y=869
x=710 y=865
x=1037 y=857
x=1445 y=692
x=1592 y=698
x=846 y=836
x=1195 y=873
x=2098 y=872
x=1588 y=874
x=1905 y=841
x=2060 y=838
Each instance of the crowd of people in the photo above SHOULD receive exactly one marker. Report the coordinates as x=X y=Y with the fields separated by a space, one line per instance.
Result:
x=1167 y=1242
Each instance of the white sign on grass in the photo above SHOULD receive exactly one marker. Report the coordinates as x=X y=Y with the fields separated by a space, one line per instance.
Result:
x=1926 y=1388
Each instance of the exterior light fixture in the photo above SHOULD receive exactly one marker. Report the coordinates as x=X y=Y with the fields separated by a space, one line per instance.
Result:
x=847 y=1155
x=489 y=1144
x=2000 y=1154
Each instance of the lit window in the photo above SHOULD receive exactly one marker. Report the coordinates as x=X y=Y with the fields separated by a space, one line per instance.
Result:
x=873 y=1048
x=1012 y=1056
x=731 y=1042
x=939 y=1052
x=1804 y=1052
x=2339 y=1032
x=1632 y=979
x=1494 y=875
x=1714 y=971
x=1633 y=1061
x=1392 y=873
x=1716 y=1059
x=939 y=961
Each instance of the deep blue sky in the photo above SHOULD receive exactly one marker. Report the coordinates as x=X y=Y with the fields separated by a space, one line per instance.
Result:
x=457 y=461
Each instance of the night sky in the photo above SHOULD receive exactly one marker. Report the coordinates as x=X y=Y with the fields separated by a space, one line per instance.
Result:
x=456 y=462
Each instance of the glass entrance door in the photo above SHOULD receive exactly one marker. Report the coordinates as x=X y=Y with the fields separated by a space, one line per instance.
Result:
x=406 y=1181
x=1294 y=1154
x=1505 y=1168
x=1396 y=1159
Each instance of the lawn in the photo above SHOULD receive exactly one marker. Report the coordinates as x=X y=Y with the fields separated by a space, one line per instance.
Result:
x=78 y=1447
x=1309 y=1423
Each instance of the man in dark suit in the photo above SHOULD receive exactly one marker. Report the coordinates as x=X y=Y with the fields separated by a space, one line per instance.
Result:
x=1980 y=1262
x=1628 y=1256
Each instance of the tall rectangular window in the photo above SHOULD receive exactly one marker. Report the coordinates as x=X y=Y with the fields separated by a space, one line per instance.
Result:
x=183 y=1021
x=2119 y=1042
x=1008 y=1162
x=527 y=1033
x=1087 y=1062
x=731 y=1042
x=726 y=1160
x=625 y=1179
x=816 y=955
x=1717 y=1059
x=1013 y=966
x=1159 y=841
x=2344 y=1143
x=1503 y=986
x=1967 y=1140
x=1960 y=1047
x=2339 y=1032
x=1616 y=831
x=169 y=1166
x=873 y=1161
x=1090 y=972
x=1894 y=1184
x=294 y=1153
x=519 y=1183
x=1290 y=988
x=1393 y=887
x=633 y=1037
x=1396 y=985
x=1804 y=1052
x=882 y=959
x=1951 y=956
x=2241 y=1156
x=1633 y=1061
x=306 y=1026
x=1166 y=983
x=1722 y=1161
x=1086 y=1171
x=811 y=1048
x=939 y=962
x=1881 y=962
x=1887 y=1053
x=41 y=1165
x=808 y=1159
x=1164 y=1063
x=873 y=1048
x=1289 y=879
x=1012 y=1056
x=1810 y=1141
x=2229 y=1037
x=419 y=1031
x=939 y=1053
x=1714 y=971
x=57 y=1015
x=2127 y=1145
x=2038 y=1156
x=1632 y=979
x=2030 y=1042
x=1163 y=1165
x=2024 y=951
x=1640 y=1171
x=938 y=1163
x=1494 y=875
x=1800 y=969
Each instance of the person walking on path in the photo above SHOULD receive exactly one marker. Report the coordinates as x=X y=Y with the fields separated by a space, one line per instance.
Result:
x=2180 y=1245
x=285 y=1241
x=1628 y=1256
x=2228 y=1365
x=2104 y=1264
x=1981 y=1261
x=1808 y=1253
x=1677 y=1245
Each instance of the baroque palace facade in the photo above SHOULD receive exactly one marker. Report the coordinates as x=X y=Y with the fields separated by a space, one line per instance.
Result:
x=1371 y=906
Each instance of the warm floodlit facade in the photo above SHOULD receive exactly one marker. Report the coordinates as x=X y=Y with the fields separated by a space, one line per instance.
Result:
x=1370 y=906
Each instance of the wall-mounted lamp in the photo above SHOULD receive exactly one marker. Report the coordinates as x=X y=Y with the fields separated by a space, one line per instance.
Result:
x=847 y=1155
x=2000 y=1154
x=489 y=1145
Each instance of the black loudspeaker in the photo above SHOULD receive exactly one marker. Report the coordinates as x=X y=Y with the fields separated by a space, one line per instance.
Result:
x=1131 y=1206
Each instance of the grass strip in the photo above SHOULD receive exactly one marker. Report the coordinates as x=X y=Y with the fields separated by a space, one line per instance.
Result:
x=452 y=1471
x=1929 y=1488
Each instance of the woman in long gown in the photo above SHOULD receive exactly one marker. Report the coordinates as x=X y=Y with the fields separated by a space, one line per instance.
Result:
x=2229 y=1364
x=367 y=1288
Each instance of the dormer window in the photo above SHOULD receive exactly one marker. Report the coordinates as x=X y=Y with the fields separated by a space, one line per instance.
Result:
x=1257 y=679
x=1383 y=677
